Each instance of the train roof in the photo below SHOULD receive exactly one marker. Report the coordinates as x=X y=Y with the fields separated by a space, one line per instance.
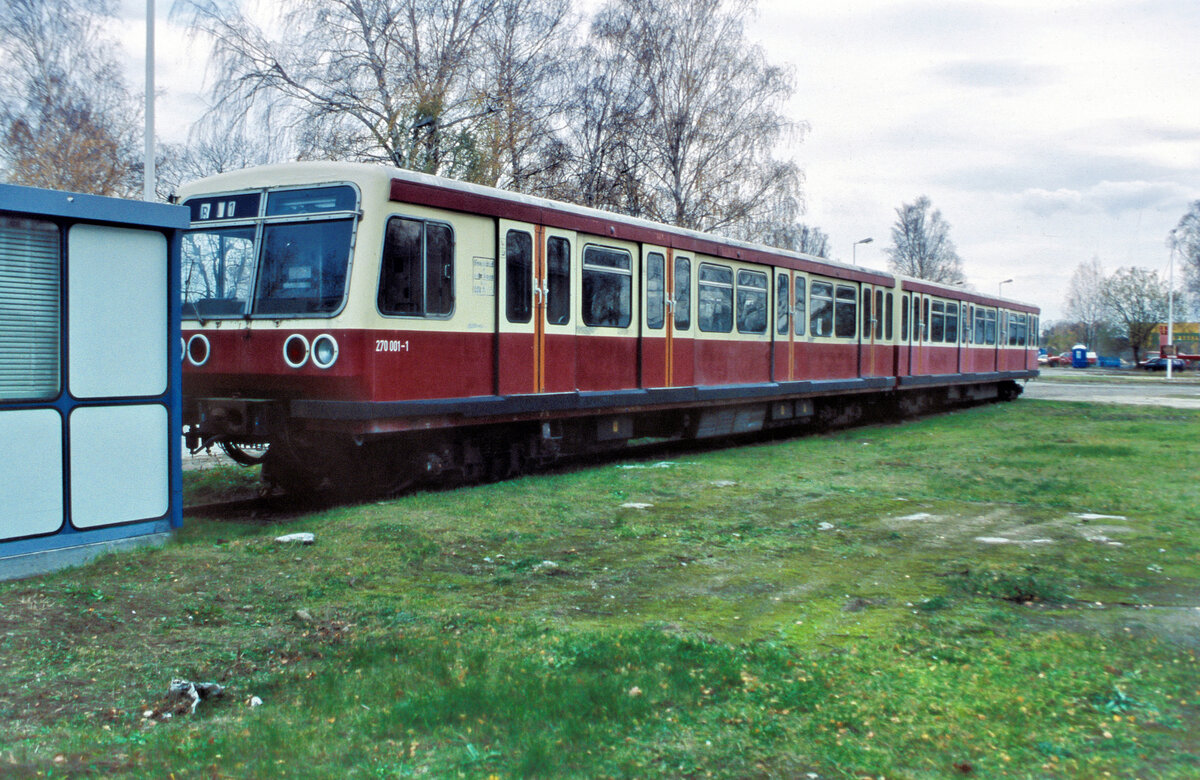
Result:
x=404 y=185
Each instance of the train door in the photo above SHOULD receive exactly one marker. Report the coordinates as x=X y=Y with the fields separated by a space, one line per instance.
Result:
x=655 y=352
x=680 y=333
x=534 y=330
x=783 y=362
x=873 y=357
x=790 y=324
x=557 y=347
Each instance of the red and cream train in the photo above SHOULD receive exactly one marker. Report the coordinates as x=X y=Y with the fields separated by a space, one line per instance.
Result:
x=375 y=326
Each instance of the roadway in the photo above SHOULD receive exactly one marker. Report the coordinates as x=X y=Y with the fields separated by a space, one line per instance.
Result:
x=1139 y=389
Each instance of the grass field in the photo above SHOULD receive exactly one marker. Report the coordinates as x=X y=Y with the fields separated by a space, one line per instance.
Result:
x=1010 y=591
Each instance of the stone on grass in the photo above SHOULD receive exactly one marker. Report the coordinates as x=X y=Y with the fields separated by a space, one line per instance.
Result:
x=303 y=537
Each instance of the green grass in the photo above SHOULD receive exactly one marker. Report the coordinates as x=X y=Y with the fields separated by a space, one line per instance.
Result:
x=913 y=601
x=220 y=483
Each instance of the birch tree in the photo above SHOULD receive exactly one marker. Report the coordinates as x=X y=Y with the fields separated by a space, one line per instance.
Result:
x=921 y=244
x=710 y=114
x=1136 y=300
x=1086 y=303
x=67 y=119
x=371 y=80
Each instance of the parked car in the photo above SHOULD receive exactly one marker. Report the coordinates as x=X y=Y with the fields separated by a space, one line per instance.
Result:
x=1054 y=360
x=1160 y=364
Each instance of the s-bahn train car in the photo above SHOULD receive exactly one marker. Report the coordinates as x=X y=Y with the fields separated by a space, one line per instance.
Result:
x=368 y=326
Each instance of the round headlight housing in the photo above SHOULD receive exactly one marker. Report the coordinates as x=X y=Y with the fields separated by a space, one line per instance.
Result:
x=324 y=351
x=295 y=350
x=198 y=349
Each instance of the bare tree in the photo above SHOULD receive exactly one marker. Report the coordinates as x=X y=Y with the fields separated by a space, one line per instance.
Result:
x=66 y=118
x=709 y=114
x=217 y=143
x=382 y=80
x=1136 y=299
x=799 y=237
x=524 y=74
x=921 y=244
x=1184 y=238
x=1085 y=303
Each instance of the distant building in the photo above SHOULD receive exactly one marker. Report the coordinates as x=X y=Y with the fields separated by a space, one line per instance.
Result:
x=1187 y=337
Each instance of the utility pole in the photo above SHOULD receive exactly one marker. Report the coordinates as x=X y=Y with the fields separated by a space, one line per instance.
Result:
x=148 y=164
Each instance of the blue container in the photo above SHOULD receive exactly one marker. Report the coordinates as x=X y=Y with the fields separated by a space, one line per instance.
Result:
x=1079 y=357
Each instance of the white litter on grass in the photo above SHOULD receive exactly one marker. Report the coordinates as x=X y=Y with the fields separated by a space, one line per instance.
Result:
x=1005 y=540
x=635 y=505
x=255 y=701
x=1090 y=516
x=300 y=538
x=1097 y=538
x=666 y=464
x=917 y=516
x=825 y=526
x=724 y=483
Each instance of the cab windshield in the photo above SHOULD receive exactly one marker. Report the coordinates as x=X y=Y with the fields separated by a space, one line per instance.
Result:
x=291 y=260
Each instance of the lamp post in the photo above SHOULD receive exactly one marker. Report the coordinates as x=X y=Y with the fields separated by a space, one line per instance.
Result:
x=148 y=159
x=1171 y=306
x=854 y=249
x=1000 y=287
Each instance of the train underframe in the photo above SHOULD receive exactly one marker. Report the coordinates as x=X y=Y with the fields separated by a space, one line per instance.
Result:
x=305 y=455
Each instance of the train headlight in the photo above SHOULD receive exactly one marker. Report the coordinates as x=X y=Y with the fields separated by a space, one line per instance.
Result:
x=198 y=349
x=295 y=350
x=324 y=351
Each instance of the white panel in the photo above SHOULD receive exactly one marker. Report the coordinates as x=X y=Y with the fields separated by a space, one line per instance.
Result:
x=31 y=485
x=117 y=319
x=119 y=464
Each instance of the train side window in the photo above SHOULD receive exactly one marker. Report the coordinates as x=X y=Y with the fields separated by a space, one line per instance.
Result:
x=518 y=274
x=783 y=304
x=417 y=273
x=683 y=293
x=30 y=297
x=937 y=322
x=990 y=327
x=879 y=315
x=715 y=313
x=655 y=290
x=800 y=319
x=607 y=287
x=845 y=318
x=951 y=323
x=867 y=316
x=905 y=306
x=439 y=269
x=820 y=318
x=925 y=322
x=558 y=281
x=751 y=302
x=888 y=327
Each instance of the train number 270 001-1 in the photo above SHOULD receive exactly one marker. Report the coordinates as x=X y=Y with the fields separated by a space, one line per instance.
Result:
x=384 y=345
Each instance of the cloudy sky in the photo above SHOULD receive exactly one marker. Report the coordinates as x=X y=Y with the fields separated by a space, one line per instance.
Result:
x=1047 y=132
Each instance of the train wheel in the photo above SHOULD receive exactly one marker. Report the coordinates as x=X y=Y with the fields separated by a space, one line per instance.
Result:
x=245 y=454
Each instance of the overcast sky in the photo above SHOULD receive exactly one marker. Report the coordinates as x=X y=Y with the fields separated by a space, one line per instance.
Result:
x=1047 y=132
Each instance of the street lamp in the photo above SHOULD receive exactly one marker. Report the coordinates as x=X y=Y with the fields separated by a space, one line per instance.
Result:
x=1000 y=287
x=854 y=249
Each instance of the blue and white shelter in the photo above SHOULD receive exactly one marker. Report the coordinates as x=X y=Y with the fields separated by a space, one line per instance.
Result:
x=89 y=376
